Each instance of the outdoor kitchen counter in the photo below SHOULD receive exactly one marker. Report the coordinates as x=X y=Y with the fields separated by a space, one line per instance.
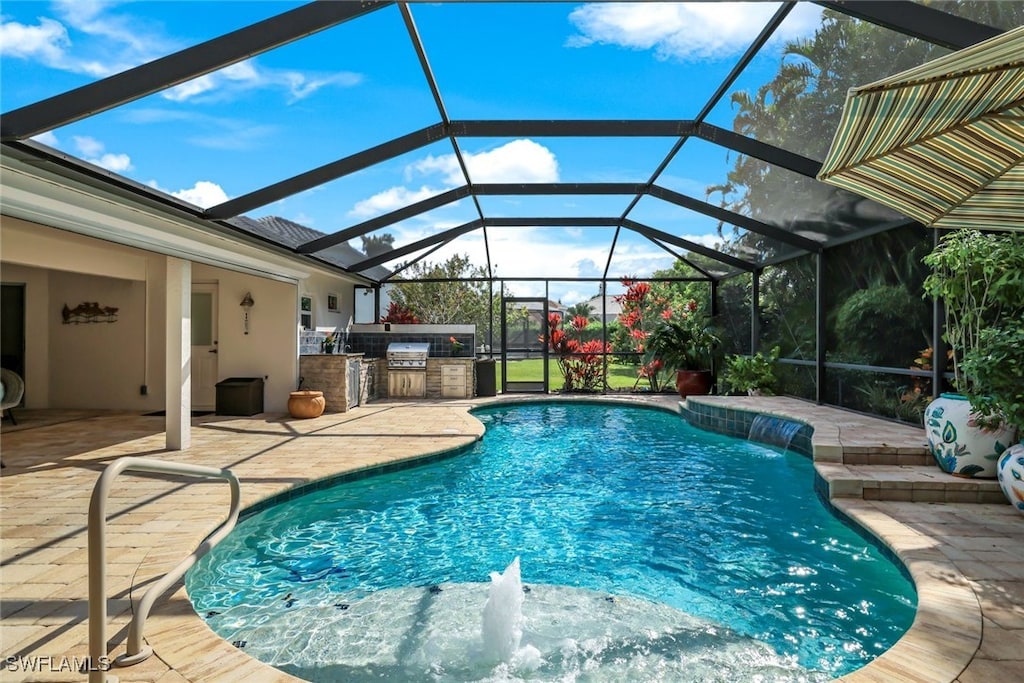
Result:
x=339 y=375
x=443 y=377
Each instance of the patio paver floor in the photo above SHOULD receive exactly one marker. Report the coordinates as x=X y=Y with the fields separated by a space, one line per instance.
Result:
x=967 y=559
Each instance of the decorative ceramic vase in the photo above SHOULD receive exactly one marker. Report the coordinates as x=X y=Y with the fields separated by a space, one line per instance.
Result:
x=1010 y=473
x=693 y=382
x=306 y=404
x=328 y=348
x=958 y=445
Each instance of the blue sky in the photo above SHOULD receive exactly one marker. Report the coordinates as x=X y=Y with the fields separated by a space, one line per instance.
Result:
x=356 y=85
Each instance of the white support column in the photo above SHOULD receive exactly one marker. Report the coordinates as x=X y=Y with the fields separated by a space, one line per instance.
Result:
x=178 y=371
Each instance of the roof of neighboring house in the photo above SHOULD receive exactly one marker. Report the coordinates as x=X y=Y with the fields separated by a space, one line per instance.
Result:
x=291 y=234
x=613 y=307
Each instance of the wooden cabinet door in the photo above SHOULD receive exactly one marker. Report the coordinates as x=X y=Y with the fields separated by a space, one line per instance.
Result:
x=407 y=384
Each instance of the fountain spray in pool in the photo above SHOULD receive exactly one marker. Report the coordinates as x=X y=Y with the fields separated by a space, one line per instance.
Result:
x=502 y=627
x=503 y=615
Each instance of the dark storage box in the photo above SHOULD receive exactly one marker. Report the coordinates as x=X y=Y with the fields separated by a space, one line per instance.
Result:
x=240 y=396
x=486 y=380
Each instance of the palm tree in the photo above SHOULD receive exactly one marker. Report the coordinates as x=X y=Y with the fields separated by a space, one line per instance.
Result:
x=582 y=308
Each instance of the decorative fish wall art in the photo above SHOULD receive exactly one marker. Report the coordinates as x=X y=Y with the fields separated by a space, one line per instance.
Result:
x=89 y=312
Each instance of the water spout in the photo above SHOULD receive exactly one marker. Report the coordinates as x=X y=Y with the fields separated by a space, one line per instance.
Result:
x=775 y=431
x=503 y=615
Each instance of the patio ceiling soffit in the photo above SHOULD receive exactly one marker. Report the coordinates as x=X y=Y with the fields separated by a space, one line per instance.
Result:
x=179 y=67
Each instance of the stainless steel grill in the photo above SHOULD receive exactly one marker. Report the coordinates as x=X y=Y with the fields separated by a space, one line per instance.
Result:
x=409 y=356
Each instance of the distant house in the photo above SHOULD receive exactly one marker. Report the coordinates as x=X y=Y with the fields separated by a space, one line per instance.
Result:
x=526 y=332
x=605 y=308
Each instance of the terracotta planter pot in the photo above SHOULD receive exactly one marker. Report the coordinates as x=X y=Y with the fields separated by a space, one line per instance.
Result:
x=693 y=382
x=306 y=404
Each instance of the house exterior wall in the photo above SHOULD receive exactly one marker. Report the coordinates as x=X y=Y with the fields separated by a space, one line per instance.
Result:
x=99 y=365
x=270 y=350
x=318 y=287
x=104 y=365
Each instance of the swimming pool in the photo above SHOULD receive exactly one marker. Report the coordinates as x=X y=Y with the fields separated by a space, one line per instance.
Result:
x=651 y=550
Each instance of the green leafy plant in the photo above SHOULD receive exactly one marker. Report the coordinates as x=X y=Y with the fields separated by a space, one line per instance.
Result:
x=997 y=368
x=683 y=340
x=980 y=279
x=749 y=374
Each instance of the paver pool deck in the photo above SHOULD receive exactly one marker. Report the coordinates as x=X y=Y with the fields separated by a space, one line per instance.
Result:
x=966 y=558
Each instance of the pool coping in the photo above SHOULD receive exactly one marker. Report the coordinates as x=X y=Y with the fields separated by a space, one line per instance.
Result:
x=939 y=645
x=942 y=644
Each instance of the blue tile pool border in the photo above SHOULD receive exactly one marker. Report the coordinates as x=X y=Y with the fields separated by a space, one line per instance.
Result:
x=736 y=422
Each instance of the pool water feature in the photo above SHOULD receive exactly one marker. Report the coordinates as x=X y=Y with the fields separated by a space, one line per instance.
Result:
x=650 y=550
x=775 y=431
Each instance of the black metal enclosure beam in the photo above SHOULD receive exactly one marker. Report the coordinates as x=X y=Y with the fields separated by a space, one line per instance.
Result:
x=552 y=221
x=556 y=188
x=737 y=69
x=651 y=233
x=573 y=128
x=446 y=236
x=328 y=172
x=771 y=154
x=387 y=219
x=736 y=219
x=179 y=67
x=920 y=21
x=679 y=257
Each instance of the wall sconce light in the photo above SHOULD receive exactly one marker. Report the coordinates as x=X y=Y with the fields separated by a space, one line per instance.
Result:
x=247 y=304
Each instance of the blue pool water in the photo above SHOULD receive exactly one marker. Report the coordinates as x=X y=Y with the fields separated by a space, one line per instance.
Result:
x=651 y=550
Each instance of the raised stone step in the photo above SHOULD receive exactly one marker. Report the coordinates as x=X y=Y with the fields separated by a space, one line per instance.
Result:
x=910 y=483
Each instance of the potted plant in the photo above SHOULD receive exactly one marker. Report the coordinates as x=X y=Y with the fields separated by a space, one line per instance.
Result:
x=980 y=280
x=997 y=365
x=684 y=341
x=328 y=343
x=753 y=375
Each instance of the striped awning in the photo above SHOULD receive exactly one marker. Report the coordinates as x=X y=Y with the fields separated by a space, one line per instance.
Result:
x=942 y=143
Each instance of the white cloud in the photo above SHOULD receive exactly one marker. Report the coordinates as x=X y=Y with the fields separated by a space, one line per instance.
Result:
x=686 y=31
x=518 y=161
x=95 y=38
x=389 y=200
x=93 y=151
x=203 y=194
x=44 y=42
x=47 y=138
x=248 y=75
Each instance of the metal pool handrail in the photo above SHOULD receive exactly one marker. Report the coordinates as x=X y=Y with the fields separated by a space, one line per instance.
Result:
x=137 y=651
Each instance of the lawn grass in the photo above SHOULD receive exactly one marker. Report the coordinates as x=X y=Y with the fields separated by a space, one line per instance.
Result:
x=620 y=376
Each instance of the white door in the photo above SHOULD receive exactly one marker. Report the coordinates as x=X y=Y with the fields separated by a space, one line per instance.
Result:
x=204 y=346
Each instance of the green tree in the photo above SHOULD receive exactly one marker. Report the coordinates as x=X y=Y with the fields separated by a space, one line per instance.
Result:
x=582 y=308
x=461 y=295
x=374 y=245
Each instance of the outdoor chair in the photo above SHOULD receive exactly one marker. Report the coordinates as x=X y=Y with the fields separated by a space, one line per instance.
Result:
x=12 y=388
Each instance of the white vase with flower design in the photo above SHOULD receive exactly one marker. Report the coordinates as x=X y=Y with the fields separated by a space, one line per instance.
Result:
x=958 y=444
x=1011 y=476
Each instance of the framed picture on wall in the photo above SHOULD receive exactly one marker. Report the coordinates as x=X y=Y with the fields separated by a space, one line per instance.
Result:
x=332 y=303
x=306 y=312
